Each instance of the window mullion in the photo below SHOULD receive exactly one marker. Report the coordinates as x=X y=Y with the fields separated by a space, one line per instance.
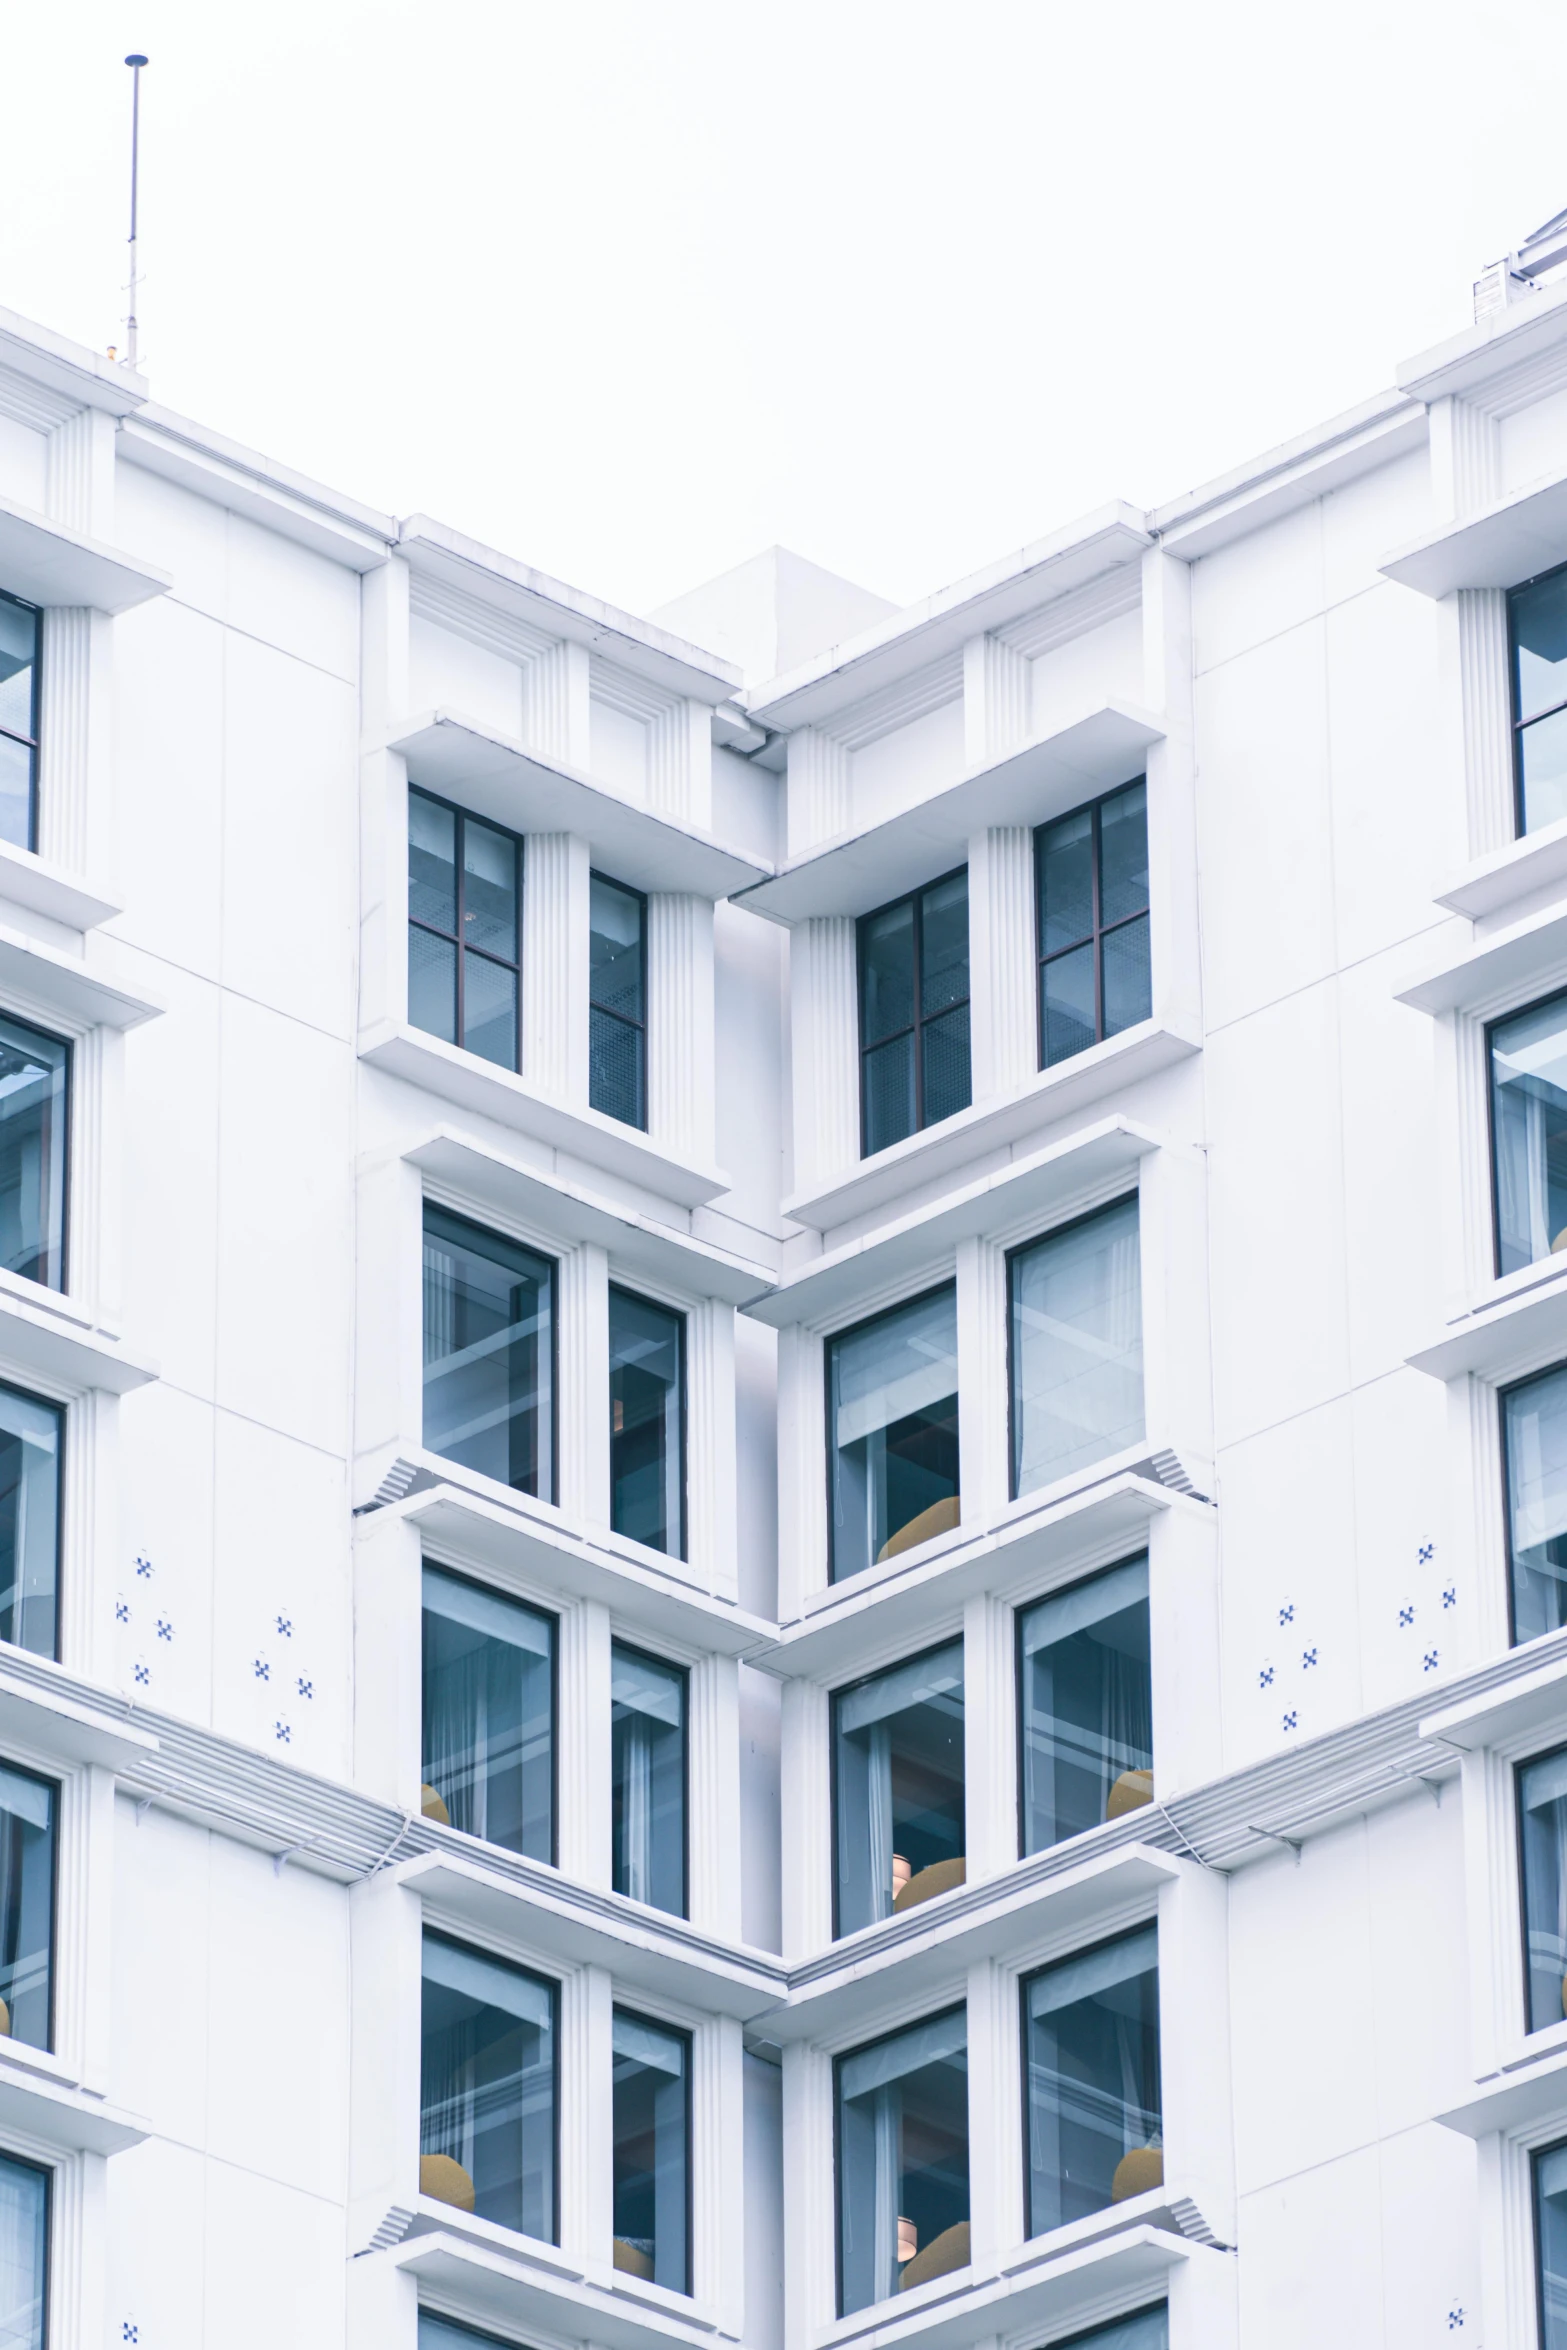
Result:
x=918 y=934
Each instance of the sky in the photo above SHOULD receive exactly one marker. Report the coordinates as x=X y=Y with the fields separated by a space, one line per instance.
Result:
x=634 y=288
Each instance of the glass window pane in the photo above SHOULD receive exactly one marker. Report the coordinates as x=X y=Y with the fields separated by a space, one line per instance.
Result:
x=432 y=863
x=1542 y=1818
x=432 y=984
x=1542 y=751
x=615 y=948
x=1148 y=2329
x=616 y=1062
x=887 y=972
x=27 y=1826
x=488 y=1353
x=1066 y=881
x=489 y=1010
x=1529 y=1133
x=24 y=2254
x=489 y=903
x=488 y=1713
x=948 y=1072
x=1123 y=854
x=441 y=2333
x=31 y=1442
x=1534 y=1428
x=893 y=1432
x=16 y=793
x=898 y=1788
x=1128 y=977
x=1085 y=1705
x=646 y=1432
x=652 y=2069
x=903 y=2208
x=648 y=1779
x=1539 y=618
x=33 y=1073
x=18 y=667
x=487 y=2088
x=944 y=946
x=1091 y=2033
x=889 y=1094
x=1066 y=1006
x=1077 y=1347
x=1550 y=2228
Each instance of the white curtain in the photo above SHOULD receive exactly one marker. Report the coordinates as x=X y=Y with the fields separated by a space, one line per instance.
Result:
x=23 y=2218
x=1077 y=1347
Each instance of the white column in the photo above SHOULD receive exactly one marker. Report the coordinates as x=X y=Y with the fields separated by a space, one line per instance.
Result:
x=989 y=1738
x=79 y=473
x=824 y=1048
x=583 y=1292
x=715 y=1796
x=711 y=1511
x=995 y=700
x=808 y=2194
x=982 y=1380
x=584 y=1826
x=1172 y=792
x=587 y=2118
x=718 y=2172
x=806 y=1806
x=1488 y=718
x=1002 y=1019
x=680 y=763
x=556 y=716
x=802 y=1470
x=995 y=2126
x=73 y=738
x=680 y=1026
x=555 y=917
x=818 y=790
x=1194 y=2043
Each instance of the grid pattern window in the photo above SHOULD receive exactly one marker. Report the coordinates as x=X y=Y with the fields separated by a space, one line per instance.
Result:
x=1537 y=636
x=1085 y=1706
x=1550 y=2244
x=652 y=2135
x=19 y=645
x=1091 y=892
x=1534 y=1446
x=28 y=1813
x=488 y=2087
x=647 y=1422
x=898 y=1788
x=489 y=1353
x=892 y=1432
x=1091 y=2059
x=24 y=2255
x=488 y=1715
x=1076 y=1346
x=464 y=929
x=1542 y=1860
x=1528 y=1057
x=902 y=2147
x=914 y=1013
x=32 y=1444
x=648 y=1772
x=617 y=1001
x=34 y=1090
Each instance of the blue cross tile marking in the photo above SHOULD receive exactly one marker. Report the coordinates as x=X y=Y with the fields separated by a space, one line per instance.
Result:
x=283 y=1732
x=1287 y=1612
x=1406 y=1614
x=261 y=1669
x=143 y=1565
x=165 y=1628
x=143 y=1675
x=1308 y=1657
x=1428 y=1661
x=1291 y=1719
x=1427 y=1553
x=285 y=1625
x=122 y=1613
x=306 y=1688
x=1265 y=1677
x=1450 y=1595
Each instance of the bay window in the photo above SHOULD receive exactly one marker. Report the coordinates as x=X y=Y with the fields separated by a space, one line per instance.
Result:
x=898 y=1788
x=1528 y=1062
x=488 y=1714
x=892 y=1414
x=1537 y=642
x=488 y=2088
x=1091 y=896
x=24 y=2254
x=1549 y=2171
x=19 y=642
x=914 y=1013
x=1091 y=2063
x=617 y=1001
x=489 y=1353
x=1534 y=1447
x=648 y=1772
x=652 y=2151
x=28 y=1810
x=1076 y=1356
x=902 y=2160
x=464 y=929
x=34 y=1075
x=1085 y=1706
x=647 y=1398
x=32 y=1445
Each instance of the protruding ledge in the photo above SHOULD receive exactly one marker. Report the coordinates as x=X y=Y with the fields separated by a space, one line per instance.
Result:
x=44 y=563
x=1496 y=548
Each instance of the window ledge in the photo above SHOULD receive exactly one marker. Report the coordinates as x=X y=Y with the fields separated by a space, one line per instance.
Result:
x=1534 y=1703
x=539 y=2293
x=45 y=1722
x=1092 y=1076
x=65 y=983
x=53 y=1337
x=38 y=886
x=1491 y=974
x=57 y=2115
x=1524 y=869
x=1523 y=2095
x=580 y=1135
x=1504 y=543
x=46 y=564
x=1499 y=1336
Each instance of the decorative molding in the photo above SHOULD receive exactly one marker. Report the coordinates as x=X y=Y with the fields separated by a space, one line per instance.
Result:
x=555 y=925
x=680 y=1026
x=824 y=1047
x=930 y=688
x=1487 y=707
x=483 y=624
x=29 y=403
x=818 y=797
x=1002 y=979
x=997 y=693
x=1106 y=598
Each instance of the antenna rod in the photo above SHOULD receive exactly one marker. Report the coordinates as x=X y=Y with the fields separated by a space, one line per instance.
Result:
x=135 y=63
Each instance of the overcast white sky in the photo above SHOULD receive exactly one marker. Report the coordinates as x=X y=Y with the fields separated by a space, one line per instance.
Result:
x=632 y=290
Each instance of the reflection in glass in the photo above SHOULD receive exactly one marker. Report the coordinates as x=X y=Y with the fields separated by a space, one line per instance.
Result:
x=1534 y=1439
x=1550 y=2233
x=617 y=1015
x=1529 y=1133
x=442 y=2333
x=898 y=1787
x=914 y=1012
x=1091 y=2042
x=646 y=1422
x=1542 y=1834
x=18 y=722
x=27 y=1821
x=892 y=1417
x=1537 y=620
x=652 y=2104
x=464 y=934
x=1085 y=1705
x=33 y=1073
x=1077 y=1346
x=24 y=2255
x=489 y=1698
x=487 y=2088
x=1148 y=2329
x=903 y=2210
x=648 y=1778
x=31 y=1444
x=1091 y=887
x=489 y=1367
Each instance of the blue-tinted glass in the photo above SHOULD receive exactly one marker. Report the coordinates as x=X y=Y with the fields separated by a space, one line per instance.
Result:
x=1529 y=1133
x=1091 y=2033
x=646 y=1467
x=648 y=1779
x=615 y=948
x=1550 y=2228
x=1543 y=753
x=33 y=1073
x=489 y=1010
x=617 y=1055
x=948 y=1075
x=1077 y=1347
x=903 y=2186
x=1066 y=881
x=488 y=1353
x=1085 y=1706
x=1066 y=1005
x=887 y=972
x=24 y=2255
x=487 y=2089
x=432 y=863
x=489 y=1682
x=27 y=1826
x=432 y=984
x=440 y=2333
x=898 y=1788
x=944 y=946
x=16 y=793
x=489 y=901
x=1128 y=980
x=18 y=669
x=893 y=1432
x=889 y=1093
x=652 y=2067
x=1148 y=2329
x=1542 y=1818
x=1534 y=1423
x=1123 y=854
x=1539 y=617
x=31 y=1442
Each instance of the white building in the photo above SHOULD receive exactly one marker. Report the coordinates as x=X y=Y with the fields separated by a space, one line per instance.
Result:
x=783 y=1429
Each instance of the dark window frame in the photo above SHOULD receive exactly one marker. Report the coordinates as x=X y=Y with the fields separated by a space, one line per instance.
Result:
x=676 y=2032
x=667 y=1664
x=679 y=1315
x=553 y=1984
x=639 y=1027
x=1512 y=1387
x=1520 y=726
x=455 y=938
x=30 y=743
x=846 y=1689
x=920 y=1021
x=1022 y=1608
x=1022 y=1248
x=1100 y=931
x=1537 y=2155
x=1084 y=1950
x=936 y=2016
x=494 y=1591
x=831 y=1339
x=490 y=1231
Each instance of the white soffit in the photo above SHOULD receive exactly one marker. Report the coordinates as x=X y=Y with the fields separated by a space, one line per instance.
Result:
x=243 y=482
x=1512 y=1334
x=1508 y=961
x=45 y=564
x=52 y=1338
x=1509 y=876
x=1537 y=1702
x=1518 y=2099
x=1043 y=779
x=495 y=775
x=535 y=2291
x=1505 y=543
x=34 y=1716
x=64 y=983
x=1375 y=433
x=70 y=2120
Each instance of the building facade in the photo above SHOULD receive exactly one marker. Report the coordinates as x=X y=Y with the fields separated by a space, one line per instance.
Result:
x=782 y=1398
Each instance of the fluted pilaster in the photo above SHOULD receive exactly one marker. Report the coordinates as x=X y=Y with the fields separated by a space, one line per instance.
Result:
x=995 y=700
x=825 y=1032
x=555 y=965
x=819 y=796
x=681 y=1105
x=1001 y=959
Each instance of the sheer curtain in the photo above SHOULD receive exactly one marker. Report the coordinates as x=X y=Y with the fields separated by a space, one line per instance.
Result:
x=1077 y=1347
x=456 y=1732
x=23 y=2228
x=636 y=1764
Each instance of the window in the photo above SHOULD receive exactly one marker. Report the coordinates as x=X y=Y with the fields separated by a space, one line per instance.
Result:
x=487 y=2088
x=1091 y=2052
x=617 y=1001
x=18 y=723
x=892 y=1445
x=1534 y=1446
x=652 y=2128
x=1542 y=1853
x=1076 y=1363
x=24 y=2255
x=489 y=1711
x=898 y=1788
x=489 y=1354
x=1528 y=1054
x=464 y=929
x=914 y=1013
x=1085 y=1706
x=1147 y=2329
x=31 y=1445
x=441 y=2333
x=34 y=1069
x=1091 y=891
x=647 y=1422
x=902 y=2116
x=27 y=1872
x=648 y=1778
x=1537 y=632
x=1550 y=2244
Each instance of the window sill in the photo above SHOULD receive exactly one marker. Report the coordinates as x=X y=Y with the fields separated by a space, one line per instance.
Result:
x=65 y=985
x=44 y=1724
x=1493 y=974
x=1512 y=1719
x=493 y=2278
x=54 y=2114
x=1525 y=2095
x=1522 y=1330
x=1507 y=879
x=36 y=886
x=44 y=563
x=47 y=1335
x=1506 y=542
